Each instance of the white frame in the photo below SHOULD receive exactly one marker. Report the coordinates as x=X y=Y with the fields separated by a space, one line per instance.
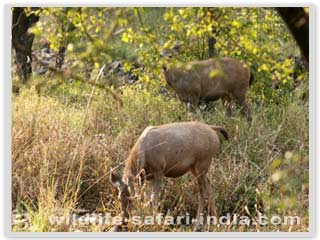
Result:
x=6 y=154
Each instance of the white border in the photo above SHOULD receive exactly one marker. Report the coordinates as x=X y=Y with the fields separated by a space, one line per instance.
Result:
x=5 y=89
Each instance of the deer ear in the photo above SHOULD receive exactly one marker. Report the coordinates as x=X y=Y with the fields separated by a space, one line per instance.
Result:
x=115 y=179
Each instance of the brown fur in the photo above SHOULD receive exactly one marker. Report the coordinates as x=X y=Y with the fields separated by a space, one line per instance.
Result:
x=171 y=150
x=193 y=82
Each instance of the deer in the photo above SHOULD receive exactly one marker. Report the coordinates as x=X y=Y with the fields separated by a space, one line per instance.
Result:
x=208 y=80
x=170 y=150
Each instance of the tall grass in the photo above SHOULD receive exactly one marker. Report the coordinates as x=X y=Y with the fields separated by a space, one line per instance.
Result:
x=64 y=145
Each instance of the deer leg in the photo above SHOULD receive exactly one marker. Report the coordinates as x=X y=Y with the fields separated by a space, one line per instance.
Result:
x=245 y=108
x=191 y=110
x=192 y=103
x=194 y=107
x=203 y=201
x=241 y=101
x=145 y=194
x=148 y=192
x=156 y=182
x=226 y=102
x=190 y=107
x=211 y=202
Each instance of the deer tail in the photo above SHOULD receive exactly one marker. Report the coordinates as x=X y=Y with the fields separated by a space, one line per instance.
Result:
x=222 y=130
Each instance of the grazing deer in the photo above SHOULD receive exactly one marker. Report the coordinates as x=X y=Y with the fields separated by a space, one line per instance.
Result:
x=209 y=80
x=169 y=150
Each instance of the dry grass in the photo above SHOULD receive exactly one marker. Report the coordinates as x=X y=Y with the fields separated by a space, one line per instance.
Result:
x=64 y=145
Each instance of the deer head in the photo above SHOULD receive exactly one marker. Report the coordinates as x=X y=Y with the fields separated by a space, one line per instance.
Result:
x=126 y=193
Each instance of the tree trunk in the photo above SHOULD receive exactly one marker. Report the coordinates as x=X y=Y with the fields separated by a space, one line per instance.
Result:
x=297 y=21
x=211 y=44
x=214 y=14
x=66 y=28
x=22 y=41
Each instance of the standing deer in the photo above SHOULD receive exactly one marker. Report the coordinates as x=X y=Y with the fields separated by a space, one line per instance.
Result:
x=209 y=80
x=169 y=150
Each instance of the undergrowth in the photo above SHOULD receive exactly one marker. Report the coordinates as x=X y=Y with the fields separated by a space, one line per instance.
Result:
x=65 y=143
